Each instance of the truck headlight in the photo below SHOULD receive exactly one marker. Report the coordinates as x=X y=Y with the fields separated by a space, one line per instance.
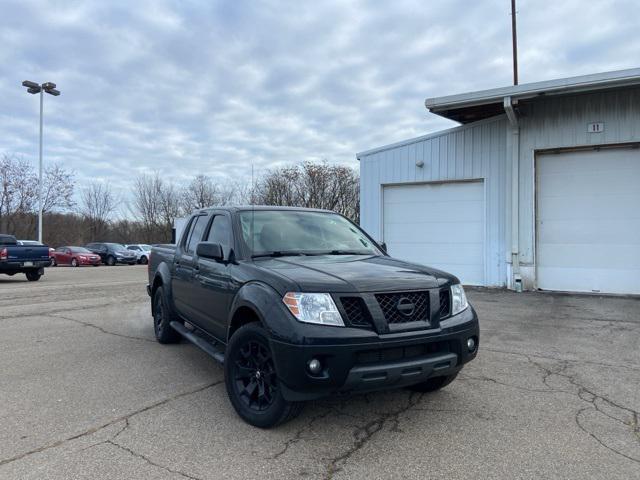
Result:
x=458 y=299
x=313 y=308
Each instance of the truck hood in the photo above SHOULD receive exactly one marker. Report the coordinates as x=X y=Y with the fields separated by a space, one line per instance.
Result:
x=354 y=273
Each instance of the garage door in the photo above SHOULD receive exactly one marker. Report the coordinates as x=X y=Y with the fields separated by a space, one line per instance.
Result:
x=440 y=225
x=588 y=221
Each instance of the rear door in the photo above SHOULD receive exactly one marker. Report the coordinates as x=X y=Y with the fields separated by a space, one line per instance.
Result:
x=185 y=264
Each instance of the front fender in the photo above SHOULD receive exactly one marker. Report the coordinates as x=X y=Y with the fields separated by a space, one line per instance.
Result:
x=267 y=304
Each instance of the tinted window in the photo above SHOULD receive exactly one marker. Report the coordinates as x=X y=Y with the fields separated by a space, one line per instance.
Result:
x=199 y=224
x=220 y=232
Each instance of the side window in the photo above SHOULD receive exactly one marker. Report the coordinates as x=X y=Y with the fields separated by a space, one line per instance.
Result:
x=199 y=224
x=220 y=232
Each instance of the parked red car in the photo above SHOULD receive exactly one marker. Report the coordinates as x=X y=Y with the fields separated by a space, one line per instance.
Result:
x=74 y=256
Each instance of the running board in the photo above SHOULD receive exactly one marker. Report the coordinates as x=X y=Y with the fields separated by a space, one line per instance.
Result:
x=198 y=341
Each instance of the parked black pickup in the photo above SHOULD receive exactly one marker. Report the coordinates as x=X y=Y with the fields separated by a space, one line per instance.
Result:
x=299 y=304
x=27 y=259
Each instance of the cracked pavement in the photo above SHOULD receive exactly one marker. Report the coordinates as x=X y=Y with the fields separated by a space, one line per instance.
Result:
x=86 y=392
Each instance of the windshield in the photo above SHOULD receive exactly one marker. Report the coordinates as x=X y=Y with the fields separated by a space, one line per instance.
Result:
x=291 y=232
x=79 y=250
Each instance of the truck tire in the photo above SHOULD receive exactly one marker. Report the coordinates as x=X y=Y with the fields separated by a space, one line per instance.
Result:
x=433 y=384
x=33 y=276
x=162 y=318
x=252 y=382
x=111 y=260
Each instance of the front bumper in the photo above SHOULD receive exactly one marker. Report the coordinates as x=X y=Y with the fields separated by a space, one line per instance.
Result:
x=126 y=260
x=389 y=361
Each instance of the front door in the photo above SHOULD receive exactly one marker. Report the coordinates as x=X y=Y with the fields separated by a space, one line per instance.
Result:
x=213 y=285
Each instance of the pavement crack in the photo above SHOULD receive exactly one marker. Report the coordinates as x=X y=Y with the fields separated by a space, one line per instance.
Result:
x=595 y=401
x=151 y=462
x=484 y=378
x=557 y=359
x=598 y=439
x=64 y=310
x=99 y=328
x=364 y=433
x=298 y=435
x=97 y=428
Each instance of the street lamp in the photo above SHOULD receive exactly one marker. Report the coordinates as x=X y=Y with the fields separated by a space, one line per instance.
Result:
x=33 y=88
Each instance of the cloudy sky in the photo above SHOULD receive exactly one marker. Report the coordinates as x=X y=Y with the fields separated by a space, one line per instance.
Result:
x=187 y=87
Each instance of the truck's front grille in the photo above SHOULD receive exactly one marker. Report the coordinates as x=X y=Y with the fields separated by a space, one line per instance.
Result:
x=356 y=311
x=445 y=303
x=404 y=307
x=394 y=354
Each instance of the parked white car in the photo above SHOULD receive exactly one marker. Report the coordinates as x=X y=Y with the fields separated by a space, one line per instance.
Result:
x=141 y=250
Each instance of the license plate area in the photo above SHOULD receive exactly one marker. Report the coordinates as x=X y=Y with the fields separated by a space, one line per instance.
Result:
x=27 y=264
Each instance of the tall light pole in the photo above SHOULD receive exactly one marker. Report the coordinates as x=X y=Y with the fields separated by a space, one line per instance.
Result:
x=33 y=88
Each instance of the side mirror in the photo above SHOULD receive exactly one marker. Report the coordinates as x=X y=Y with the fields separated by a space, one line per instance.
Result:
x=383 y=246
x=209 y=250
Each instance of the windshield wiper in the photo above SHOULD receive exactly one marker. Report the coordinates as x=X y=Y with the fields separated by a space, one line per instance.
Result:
x=280 y=253
x=349 y=252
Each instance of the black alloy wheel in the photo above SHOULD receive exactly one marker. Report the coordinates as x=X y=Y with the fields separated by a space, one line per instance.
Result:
x=255 y=375
x=144 y=260
x=111 y=261
x=252 y=381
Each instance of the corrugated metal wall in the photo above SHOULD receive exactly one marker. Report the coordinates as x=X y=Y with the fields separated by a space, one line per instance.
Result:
x=561 y=122
x=479 y=150
x=472 y=151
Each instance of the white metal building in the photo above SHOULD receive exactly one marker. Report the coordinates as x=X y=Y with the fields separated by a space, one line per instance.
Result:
x=539 y=187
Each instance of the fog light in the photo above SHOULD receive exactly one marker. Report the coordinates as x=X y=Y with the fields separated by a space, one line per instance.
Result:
x=471 y=344
x=314 y=366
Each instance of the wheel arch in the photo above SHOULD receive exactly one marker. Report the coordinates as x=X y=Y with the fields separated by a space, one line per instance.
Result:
x=162 y=278
x=258 y=302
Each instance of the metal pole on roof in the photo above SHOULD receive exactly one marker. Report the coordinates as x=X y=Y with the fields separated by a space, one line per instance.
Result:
x=514 y=40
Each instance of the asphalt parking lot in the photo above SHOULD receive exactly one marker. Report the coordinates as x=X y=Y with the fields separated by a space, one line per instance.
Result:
x=86 y=392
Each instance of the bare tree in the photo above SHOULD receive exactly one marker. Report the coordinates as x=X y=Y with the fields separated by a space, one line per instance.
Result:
x=200 y=193
x=19 y=187
x=312 y=185
x=98 y=203
x=204 y=192
x=19 y=193
x=57 y=189
x=156 y=204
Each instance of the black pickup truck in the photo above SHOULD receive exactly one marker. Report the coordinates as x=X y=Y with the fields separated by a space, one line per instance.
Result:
x=28 y=259
x=300 y=304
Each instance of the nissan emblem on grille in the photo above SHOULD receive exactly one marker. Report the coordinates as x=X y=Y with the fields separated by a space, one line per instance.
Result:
x=405 y=306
